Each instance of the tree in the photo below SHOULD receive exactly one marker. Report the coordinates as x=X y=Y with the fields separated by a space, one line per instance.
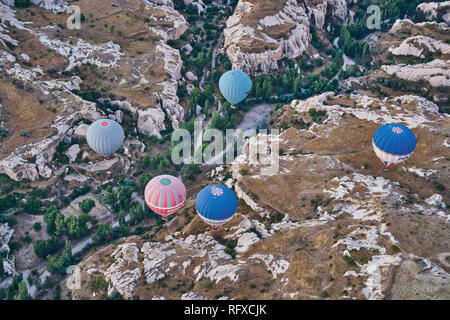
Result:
x=125 y=193
x=60 y=225
x=33 y=206
x=11 y=220
x=158 y=161
x=297 y=82
x=76 y=227
x=189 y=171
x=257 y=91
x=37 y=226
x=23 y=292
x=50 y=216
x=137 y=213
x=67 y=253
x=103 y=234
x=124 y=230
x=86 y=205
x=121 y=218
x=8 y=202
x=56 y=263
x=206 y=108
x=11 y=292
x=144 y=179
x=267 y=88
x=111 y=199
x=42 y=248
x=21 y=3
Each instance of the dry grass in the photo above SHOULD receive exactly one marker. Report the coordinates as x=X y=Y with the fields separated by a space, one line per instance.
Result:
x=23 y=111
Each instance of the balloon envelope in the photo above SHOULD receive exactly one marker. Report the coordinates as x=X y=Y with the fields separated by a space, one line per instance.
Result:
x=393 y=143
x=165 y=194
x=216 y=204
x=235 y=85
x=105 y=136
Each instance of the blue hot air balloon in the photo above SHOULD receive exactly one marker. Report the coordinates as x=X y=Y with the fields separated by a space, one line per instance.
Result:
x=216 y=204
x=235 y=86
x=393 y=143
x=105 y=136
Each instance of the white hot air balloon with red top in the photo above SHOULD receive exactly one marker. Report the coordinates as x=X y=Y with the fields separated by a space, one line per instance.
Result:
x=165 y=195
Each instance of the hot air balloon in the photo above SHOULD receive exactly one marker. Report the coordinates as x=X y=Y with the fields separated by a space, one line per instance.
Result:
x=216 y=205
x=105 y=136
x=235 y=86
x=165 y=195
x=393 y=143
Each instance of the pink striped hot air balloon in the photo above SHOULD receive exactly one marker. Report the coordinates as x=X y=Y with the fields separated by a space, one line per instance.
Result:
x=165 y=195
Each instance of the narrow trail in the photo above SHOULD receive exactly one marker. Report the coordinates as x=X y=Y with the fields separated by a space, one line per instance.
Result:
x=213 y=61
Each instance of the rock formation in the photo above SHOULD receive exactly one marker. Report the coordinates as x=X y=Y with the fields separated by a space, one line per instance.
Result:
x=436 y=72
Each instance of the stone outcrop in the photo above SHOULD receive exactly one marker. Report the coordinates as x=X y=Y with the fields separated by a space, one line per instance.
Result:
x=259 y=43
x=73 y=152
x=176 y=20
x=322 y=201
x=124 y=273
x=419 y=46
x=432 y=9
x=416 y=111
x=402 y=23
x=31 y=161
x=258 y=34
x=436 y=72
x=6 y=234
x=53 y=5
x=81 y=130
x=127 y=73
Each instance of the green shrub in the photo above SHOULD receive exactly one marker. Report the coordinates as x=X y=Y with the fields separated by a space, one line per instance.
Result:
x=21 y=3
x=33 y=206
x=86 y=205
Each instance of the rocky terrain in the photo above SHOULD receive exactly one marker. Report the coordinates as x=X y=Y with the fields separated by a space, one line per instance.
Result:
x=329 y=223
x=340 y=227
x=261 y=33
x=136 y=63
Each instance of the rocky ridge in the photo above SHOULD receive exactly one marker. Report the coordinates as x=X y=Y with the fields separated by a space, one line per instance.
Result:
x=78 y=52
x=258 y=35
x=331 y=216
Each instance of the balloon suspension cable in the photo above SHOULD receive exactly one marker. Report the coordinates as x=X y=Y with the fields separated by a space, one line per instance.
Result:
x=164 y=218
